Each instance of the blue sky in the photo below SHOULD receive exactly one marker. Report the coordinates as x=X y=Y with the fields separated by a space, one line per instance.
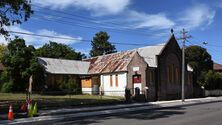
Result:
x=126 y=21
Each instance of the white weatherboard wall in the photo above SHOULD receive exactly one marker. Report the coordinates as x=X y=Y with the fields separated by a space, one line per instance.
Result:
x=87 y=90
x=113 y=90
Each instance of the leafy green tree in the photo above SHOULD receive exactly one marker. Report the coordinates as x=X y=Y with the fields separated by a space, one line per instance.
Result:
x=13 y=12
x=200 y=60
x=211 y=80
x=58 y=50
x=3 y=50
x=17 y=62
x=101 y=45
x=38 y=74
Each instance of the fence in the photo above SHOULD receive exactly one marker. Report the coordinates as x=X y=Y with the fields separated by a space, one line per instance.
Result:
x=213 y=92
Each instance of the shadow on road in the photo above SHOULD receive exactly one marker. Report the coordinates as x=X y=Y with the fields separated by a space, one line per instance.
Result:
x=152 y=114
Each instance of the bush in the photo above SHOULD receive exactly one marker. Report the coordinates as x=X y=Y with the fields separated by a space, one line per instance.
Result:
x=70 y=86
x=7 y=87
x=5 y=76
x=212 y=80
x=38 y=74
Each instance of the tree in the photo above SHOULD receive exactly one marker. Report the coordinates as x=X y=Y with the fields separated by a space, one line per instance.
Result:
x=3 y=51
x=58 y=50
x=199 y=59
x=17 y=62
x=101 y=45
x=211 y=80
x=13 y=12
x=38 y=74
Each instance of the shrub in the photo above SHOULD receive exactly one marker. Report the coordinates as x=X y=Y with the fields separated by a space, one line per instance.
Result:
x=70 y=86
x=212 y=80
x=7 y=87
x=5 y=76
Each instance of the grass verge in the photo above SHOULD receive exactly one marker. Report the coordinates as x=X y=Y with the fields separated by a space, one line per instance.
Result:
x=55 y=102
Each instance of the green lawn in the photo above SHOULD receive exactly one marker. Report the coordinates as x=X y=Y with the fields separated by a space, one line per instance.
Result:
x=18 y=96
x=55 y=102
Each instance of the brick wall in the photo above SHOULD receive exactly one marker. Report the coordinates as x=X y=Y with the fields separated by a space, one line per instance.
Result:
x=137 y=61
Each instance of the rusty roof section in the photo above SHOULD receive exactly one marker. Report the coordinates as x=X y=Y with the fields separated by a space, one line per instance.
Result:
x=1 y=67
x=217 y=66
x=116 y=62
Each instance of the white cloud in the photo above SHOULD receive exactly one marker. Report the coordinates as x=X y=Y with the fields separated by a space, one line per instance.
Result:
x=67 y=41
x=2 y=40
x=153 y=21
x=39 y=41
x=98 y=7
x=17 y=29
x=197 y=16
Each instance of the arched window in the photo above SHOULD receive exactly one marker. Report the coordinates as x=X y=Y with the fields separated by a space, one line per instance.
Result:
x=168 y=74
x=172 y=62
x=177 y=74
x=151 y=76
x=172 y=73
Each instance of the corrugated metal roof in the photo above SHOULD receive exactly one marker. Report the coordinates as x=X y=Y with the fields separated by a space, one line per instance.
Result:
x=149 y=53
x=62 y=66
x=115 y=62
x=217 y=66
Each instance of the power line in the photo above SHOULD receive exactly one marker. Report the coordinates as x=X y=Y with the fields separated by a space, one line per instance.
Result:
x=196 y=43
x=93 y=21
x=82 y=40
x=208 y=43
x=78 y=19
x=46 y=36
x=64 y=22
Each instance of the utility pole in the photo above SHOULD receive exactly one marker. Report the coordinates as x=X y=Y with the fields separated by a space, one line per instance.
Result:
x=184 y=39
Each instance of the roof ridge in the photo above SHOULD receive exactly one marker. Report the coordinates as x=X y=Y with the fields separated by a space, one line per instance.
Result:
x=62 y=59
x=217 y=63
x=109 y=54
x=135 y=49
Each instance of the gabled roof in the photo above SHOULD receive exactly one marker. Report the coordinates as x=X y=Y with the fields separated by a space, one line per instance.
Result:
x=217 y=66
x=149 y=53
x=116 y=62
x=63 y=66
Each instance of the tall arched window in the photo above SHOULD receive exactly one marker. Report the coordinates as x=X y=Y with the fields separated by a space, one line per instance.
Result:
x=172 y=62
x=151 y=76
x=177 y=74
x=172 y=72
x=168 y=74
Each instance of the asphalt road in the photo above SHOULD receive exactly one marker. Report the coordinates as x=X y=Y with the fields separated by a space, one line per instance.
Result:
x=201 y=114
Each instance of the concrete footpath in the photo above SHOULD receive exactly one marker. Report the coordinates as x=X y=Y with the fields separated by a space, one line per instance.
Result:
x=77 y=113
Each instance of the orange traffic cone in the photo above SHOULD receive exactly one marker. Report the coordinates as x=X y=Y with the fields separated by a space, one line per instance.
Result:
x=10 y=113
